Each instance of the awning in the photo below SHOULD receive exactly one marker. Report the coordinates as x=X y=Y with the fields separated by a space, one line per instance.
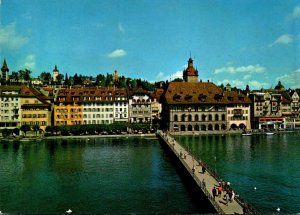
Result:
x=271 y=119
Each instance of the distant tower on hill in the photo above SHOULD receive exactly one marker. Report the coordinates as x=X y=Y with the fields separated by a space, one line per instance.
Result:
x=190 y=74
x=55 y=73
x=115 y=76
x=4 y=70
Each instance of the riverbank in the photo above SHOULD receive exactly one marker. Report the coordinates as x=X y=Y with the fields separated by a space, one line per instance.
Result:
x=151 y=135
x=40 y=138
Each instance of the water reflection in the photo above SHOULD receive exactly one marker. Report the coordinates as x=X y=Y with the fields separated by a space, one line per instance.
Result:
x=108 y=175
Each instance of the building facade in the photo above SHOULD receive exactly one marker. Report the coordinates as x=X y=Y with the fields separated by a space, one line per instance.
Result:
x=203 y=106
x=140 y=107
x=35 y=108
x=10 y=107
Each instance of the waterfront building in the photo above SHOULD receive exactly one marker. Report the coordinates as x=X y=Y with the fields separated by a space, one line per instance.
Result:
x=156 y=106
x=273 y=108
x=68 y=107
x=91 y=105
x=10 y=107
x=35 y=108
x=121 y=105
x=203 y=106
x=140 y=106
x=238 y=107
x=295 y=106
x=4 y=72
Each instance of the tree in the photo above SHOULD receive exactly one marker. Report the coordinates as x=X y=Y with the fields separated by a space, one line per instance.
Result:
x=67 y=80
x=59 y=78
x=46 y=77
x=15 y=76
x=178 y=80
x=109 y=80
x=21 y=74
x=56 y=129
x=24 y=128
x=16 y=131
x=100 y=80
x=27 y=75
x=36 y=128
x=6 y=132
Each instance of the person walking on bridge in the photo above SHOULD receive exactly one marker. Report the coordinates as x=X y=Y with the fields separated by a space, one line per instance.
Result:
x=214 y=192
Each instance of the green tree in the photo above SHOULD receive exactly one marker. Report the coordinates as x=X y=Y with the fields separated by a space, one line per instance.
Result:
x=56 y=129
x=21 y=74
x=67 y=80
x=6 y=132
x=133 y=84
x=15 y=76
x=49 y=129
x=46 y=77
x=178 y=80
x=121 y=82
x=59 y=78
x=25 y=128
x=36 y=128
x=27 y=75
x=16 y=131
x=109 y=80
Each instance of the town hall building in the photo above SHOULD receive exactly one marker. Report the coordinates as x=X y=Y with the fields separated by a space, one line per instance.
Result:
x=203 y=106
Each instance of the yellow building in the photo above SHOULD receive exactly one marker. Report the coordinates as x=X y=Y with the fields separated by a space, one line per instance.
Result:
x=35 y=110
x=68 y=108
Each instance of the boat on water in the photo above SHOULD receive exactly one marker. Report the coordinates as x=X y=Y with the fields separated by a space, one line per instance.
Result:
x=247 y=133
x=270 y=133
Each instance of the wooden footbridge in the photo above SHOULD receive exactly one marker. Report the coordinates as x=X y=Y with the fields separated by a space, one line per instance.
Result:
x=207 y=180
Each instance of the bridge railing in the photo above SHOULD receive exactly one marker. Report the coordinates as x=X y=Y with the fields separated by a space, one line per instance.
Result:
x=199 y=183
x=248 y=209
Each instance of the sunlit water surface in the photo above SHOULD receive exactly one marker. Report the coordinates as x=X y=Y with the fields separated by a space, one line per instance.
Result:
x=103 y=175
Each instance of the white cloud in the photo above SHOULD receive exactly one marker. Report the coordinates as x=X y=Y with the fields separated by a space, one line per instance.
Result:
x=256 y=85
x=283 y=39
x=242 y=69
x=253 y=84
x=117 y=53
x=296 y=13
x=163 y=77
x=291 y=79
x=121 y=28
x=247 y=77
x=9 y=37
x=29 y=62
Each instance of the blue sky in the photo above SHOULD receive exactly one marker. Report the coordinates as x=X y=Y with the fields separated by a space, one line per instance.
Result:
x=238 y=41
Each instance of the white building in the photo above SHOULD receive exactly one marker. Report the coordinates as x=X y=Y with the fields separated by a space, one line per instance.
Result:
x=10 y=107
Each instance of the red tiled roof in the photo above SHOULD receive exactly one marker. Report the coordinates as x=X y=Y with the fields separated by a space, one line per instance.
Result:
x=201 y=93
x=92 y=92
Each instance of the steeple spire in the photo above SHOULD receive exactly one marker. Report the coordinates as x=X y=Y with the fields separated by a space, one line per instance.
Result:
x=4 y=71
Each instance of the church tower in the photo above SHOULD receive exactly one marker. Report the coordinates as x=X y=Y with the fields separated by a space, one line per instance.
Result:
x=55 y=73
x=4 y=70
x=190 y=74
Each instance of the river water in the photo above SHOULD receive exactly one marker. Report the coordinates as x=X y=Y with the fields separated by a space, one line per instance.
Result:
x=103 y=175
x=271 y=164
x=135 y=175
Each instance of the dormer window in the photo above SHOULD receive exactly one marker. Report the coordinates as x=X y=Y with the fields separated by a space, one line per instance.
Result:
x=218 y=97
x=188 y=98
x=202 y=98
x=241 y=98
x=176 y=97
x=230 y=98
